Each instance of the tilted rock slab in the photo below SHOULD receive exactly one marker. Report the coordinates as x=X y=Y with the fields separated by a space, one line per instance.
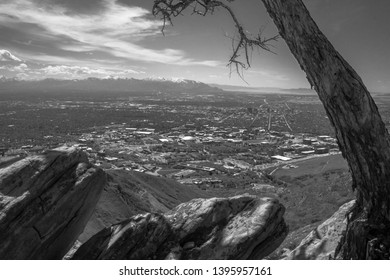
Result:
x=45 y=203
x=322 y=242
x=240 y=227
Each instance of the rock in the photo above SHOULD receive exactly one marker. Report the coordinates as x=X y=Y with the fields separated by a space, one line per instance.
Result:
x=175 y=253
x=241 y=227
x=45 y=203
x=189 y=245
x=136 y=238
x=128 y=193
x=321 y=243
x=72 y=250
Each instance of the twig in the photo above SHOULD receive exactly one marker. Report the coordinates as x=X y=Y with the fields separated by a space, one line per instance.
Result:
x=242 y=44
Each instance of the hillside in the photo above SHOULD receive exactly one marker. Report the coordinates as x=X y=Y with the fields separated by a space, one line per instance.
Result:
x=128 y=193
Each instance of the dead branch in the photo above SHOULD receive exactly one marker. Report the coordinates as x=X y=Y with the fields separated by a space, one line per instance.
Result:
x=243 y=43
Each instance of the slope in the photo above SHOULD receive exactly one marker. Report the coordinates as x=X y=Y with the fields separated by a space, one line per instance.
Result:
x=128 y=193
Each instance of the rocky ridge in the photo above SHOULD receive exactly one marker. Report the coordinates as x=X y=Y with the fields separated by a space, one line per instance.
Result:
x=47 y=200
x=241 y=227
x=45 y=203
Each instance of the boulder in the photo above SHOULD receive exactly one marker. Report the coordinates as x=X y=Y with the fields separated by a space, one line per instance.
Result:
x=322 y=242
x=240 y=227
x=45 y=203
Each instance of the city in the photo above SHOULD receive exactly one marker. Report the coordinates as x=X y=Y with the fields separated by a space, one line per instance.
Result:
x=224 y=143
x=179 y=136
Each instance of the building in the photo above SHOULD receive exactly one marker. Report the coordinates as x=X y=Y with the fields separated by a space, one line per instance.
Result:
x=188 y=138
x=306 y=153
x=308 y=141
x=322 y=150
x=111 y=159
x=282 y=158
x=3 y=150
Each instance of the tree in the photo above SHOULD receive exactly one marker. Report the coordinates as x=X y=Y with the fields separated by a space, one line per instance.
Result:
x=360 y=131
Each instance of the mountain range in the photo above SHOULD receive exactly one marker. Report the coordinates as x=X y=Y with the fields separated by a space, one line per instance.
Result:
x=107 y=85
x=301 y=91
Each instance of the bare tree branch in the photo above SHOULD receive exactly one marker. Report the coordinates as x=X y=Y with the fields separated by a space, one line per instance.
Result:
x=243 y=43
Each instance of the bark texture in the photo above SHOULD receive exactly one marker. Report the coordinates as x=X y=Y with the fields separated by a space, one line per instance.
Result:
x=321 y=243
x=361 y=133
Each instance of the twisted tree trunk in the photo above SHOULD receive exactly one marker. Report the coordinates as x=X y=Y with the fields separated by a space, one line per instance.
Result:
x=360 y=131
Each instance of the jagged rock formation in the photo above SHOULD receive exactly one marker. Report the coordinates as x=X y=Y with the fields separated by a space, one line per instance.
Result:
x=241 y=227
x=45 y=203
x=321 y=243
x=129 y=193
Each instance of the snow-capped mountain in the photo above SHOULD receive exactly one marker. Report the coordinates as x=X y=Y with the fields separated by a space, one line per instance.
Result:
x=173 y=80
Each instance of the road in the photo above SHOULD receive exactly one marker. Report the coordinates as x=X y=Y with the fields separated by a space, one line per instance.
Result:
x=289 y=127
x=269 y=121
x=257 y=115
x=226 y=118
x=273 y=171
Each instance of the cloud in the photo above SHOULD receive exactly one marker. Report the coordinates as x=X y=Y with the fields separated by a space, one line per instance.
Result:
x=73 y=6
x=6 y=56
x=20 y=68
x=10 y=63
x=269 y=75
x=23 y=76
x=102 y=27
x=30 y=70
x=74 y=72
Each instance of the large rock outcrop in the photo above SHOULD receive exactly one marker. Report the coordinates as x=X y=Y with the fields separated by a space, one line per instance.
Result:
x=45 y=203
x=241 y=227
x=322 y=242
x=129 y=193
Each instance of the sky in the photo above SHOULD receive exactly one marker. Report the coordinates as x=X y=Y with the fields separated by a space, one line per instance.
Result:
x=73 y=39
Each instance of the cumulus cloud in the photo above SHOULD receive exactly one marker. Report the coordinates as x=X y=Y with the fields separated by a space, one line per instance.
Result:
x=23 y=76
x=6 y=56
x=20 y=68
x=29 y=70
x=110 y=28
x=11 y=64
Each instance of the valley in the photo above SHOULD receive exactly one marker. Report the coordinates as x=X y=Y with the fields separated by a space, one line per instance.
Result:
x=162 y=148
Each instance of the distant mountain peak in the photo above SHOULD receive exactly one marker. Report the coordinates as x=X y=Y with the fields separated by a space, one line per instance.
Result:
x=173 y=80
